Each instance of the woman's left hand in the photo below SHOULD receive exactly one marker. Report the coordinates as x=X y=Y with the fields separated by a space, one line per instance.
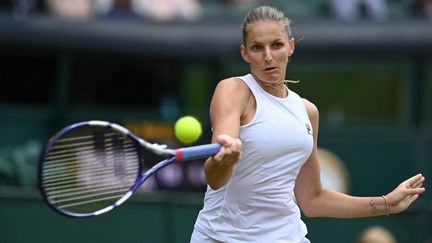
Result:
x=405 y=194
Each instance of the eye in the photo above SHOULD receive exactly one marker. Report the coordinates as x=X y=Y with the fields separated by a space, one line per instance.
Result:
x=256 y=48
x=277 y=45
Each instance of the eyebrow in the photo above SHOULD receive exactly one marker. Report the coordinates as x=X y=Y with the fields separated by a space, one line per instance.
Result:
x=257 y=42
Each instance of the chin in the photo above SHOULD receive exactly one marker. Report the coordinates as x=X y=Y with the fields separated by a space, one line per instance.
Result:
x=269 y=78
x=272 y=78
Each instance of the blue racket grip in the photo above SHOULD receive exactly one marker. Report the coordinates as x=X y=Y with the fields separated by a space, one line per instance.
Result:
x=197 y=152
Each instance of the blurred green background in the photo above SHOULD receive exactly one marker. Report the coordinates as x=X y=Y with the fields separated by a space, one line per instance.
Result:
x=371 y=80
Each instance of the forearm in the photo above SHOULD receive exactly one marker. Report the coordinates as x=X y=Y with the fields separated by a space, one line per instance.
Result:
x=217 y=174
x=333 y=204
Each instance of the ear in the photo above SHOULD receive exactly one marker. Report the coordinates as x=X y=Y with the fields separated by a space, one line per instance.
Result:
x=243 y=53
x=292 y=46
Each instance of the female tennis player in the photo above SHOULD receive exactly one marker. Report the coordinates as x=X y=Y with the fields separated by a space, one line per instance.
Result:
x=267 y=171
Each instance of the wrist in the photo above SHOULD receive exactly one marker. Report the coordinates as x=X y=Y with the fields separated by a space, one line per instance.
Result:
x=386 y=205
x=217 y=174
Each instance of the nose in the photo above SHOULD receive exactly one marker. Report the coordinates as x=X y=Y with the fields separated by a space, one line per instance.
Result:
x=268 y=55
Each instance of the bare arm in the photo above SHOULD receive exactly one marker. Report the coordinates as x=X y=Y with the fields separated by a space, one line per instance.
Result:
x=226 y=109
x=316 y=201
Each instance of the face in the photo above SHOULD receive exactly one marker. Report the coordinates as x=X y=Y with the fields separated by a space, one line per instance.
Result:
x=267 y=50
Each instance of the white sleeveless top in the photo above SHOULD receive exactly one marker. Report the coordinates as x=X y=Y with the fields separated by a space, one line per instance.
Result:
x=258 y=203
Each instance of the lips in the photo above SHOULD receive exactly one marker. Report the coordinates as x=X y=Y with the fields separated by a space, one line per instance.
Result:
x=270 y=69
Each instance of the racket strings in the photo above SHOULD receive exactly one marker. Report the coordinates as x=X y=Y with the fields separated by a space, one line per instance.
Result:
x=84 y=196
x=60 y=170
x=65 y=168
x=86 y=141
x=70 y=155
x=57 y=182
x=91 y=170
x=89 y=202
x=70 y=190
x=60 y=146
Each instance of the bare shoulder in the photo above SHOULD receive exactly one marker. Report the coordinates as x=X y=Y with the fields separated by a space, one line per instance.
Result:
x=312 y=109
x=233 y=84
x=228 y=105
x=233 y=89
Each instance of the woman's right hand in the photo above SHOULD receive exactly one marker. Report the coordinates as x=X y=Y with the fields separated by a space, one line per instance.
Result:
x=230 y=151
x=219 y=168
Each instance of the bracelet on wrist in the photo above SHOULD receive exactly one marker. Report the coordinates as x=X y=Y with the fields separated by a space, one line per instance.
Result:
x=386 y=204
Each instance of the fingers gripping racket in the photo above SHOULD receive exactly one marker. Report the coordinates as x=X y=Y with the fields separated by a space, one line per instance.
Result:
x=90 y=168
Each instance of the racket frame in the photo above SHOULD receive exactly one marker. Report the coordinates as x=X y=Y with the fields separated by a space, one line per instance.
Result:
x=177 y=155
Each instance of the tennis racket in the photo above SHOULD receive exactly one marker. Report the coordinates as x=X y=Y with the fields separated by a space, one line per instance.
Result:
x=90 y=168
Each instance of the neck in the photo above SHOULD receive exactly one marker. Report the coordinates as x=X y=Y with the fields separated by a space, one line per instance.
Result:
x=279 y=90
x=276 y=88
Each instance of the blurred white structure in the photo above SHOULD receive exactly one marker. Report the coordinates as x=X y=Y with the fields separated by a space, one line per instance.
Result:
x=352 y=10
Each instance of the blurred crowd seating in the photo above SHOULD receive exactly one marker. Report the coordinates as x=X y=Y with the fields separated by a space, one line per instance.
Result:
x=189 y=10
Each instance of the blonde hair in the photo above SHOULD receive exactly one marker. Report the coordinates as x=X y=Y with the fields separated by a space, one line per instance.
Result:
x=265 y=13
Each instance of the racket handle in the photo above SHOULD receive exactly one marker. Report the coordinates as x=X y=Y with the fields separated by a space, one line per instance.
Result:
x=197 y=152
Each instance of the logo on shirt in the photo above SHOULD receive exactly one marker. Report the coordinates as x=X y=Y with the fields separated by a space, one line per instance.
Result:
x=308 y=128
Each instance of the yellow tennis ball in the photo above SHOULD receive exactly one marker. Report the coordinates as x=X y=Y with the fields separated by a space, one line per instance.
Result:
x=187 y=129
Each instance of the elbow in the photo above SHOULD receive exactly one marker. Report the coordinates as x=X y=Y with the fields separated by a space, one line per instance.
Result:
x=217 y=178
x=214 y=186
x=310 y=213
x=311 y=203
x=213 y=181
x=309 y=209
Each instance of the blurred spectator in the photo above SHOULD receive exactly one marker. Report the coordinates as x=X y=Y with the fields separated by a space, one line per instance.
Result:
x=165 y=10
x=354 y=10
x=121 y=9
x=376 y=234
x=71 y=10
x=18 y=164
x=160 y=10
x=422 y=8
x=21 y=8
x=245 y=1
